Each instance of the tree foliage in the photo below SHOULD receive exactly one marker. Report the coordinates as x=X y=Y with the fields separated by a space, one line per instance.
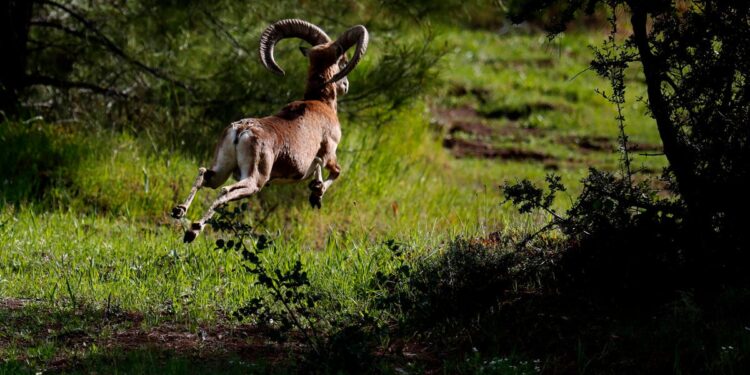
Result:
x=173 y=65
x=694 y=56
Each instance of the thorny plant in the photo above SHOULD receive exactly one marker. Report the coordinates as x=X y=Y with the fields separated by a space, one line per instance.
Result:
x=288 y=289
x=607 y=201
x=528 y=197
x=610 y=62
x=288 y=303
x=391 y=287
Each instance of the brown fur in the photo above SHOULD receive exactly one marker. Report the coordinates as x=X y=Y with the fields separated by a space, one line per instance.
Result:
x=282 y=147
x=323 y=66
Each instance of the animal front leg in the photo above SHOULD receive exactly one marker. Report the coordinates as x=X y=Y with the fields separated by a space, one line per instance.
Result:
x=334 y=170
x=318 y=187
x=181 y=209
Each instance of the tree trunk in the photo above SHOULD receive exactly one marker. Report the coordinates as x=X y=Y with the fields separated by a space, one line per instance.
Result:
x=15 y=18
x=679 y=157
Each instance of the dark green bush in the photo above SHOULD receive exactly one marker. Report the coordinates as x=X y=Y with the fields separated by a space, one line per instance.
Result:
x=290 y=307
x=180 y=71
x=694 y=57
x=470 y=278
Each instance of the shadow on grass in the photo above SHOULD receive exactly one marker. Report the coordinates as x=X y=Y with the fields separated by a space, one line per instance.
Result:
x=573 y=312
x=36 y=338
x=148 y=361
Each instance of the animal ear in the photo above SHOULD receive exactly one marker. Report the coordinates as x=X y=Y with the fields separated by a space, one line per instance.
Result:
x=304 y=50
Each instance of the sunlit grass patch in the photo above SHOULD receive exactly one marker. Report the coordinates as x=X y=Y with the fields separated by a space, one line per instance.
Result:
x=84 y=223
x=101 y=230
x=516 y=98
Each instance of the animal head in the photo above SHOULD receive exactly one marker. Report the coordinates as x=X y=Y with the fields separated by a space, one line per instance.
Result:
x=320 y=58
x=328 y=62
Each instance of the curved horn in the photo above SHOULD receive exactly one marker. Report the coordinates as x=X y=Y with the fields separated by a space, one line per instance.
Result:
x=357 y=34
x=289 y=28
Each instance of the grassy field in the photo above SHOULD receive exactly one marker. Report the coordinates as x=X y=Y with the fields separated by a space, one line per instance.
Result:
x=92 y=266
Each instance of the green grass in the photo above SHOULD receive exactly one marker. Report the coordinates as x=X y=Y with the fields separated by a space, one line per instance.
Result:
x=514 y=71
x=84 y=222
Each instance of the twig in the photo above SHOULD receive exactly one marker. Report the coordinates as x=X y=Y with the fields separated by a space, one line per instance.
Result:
x=108 y=43
x=33 y=80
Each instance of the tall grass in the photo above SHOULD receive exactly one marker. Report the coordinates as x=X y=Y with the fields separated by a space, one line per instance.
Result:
x=100 y=232
x=85 y=216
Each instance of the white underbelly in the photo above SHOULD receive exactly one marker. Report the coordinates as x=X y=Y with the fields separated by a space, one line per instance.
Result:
x=280 y=181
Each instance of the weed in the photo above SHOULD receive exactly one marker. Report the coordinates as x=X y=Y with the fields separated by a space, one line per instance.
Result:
x=357 y=296
x=288 y=304
x=292 y=302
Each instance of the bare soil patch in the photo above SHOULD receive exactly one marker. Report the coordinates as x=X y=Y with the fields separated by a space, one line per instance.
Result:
x=520 y=63
x=448 y=116
x=644 y=147
x=520 y=111
x=465 y=148
x=606 y=144
x=590 y=143
x=468 y=133
x=471 y=128
x=124 y=331
x=480 y=93
x=466 y=119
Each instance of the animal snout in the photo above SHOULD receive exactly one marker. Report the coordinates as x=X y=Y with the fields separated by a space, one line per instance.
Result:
x=343 y=86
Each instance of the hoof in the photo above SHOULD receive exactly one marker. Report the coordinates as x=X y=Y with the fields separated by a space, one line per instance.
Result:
x=316 y=186
x=179 y=212
x=189 y=236
x=316 y=200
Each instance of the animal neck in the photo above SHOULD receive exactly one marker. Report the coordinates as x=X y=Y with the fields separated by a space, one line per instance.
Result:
x=317 y=89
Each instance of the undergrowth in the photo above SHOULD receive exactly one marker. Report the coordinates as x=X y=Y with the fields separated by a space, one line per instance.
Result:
x=288 y=307
x=461 y=283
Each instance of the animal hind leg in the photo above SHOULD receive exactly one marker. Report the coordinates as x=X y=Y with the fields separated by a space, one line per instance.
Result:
x=206 y=177
x=197 y=227
x=247 y=152
x=242 y=189
x=224 y=162
x=181 y=209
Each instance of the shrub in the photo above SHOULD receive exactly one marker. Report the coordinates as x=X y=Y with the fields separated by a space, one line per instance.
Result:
x=289 y=306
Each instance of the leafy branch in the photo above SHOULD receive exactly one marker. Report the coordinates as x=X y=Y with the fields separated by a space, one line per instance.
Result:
x=288 y=288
